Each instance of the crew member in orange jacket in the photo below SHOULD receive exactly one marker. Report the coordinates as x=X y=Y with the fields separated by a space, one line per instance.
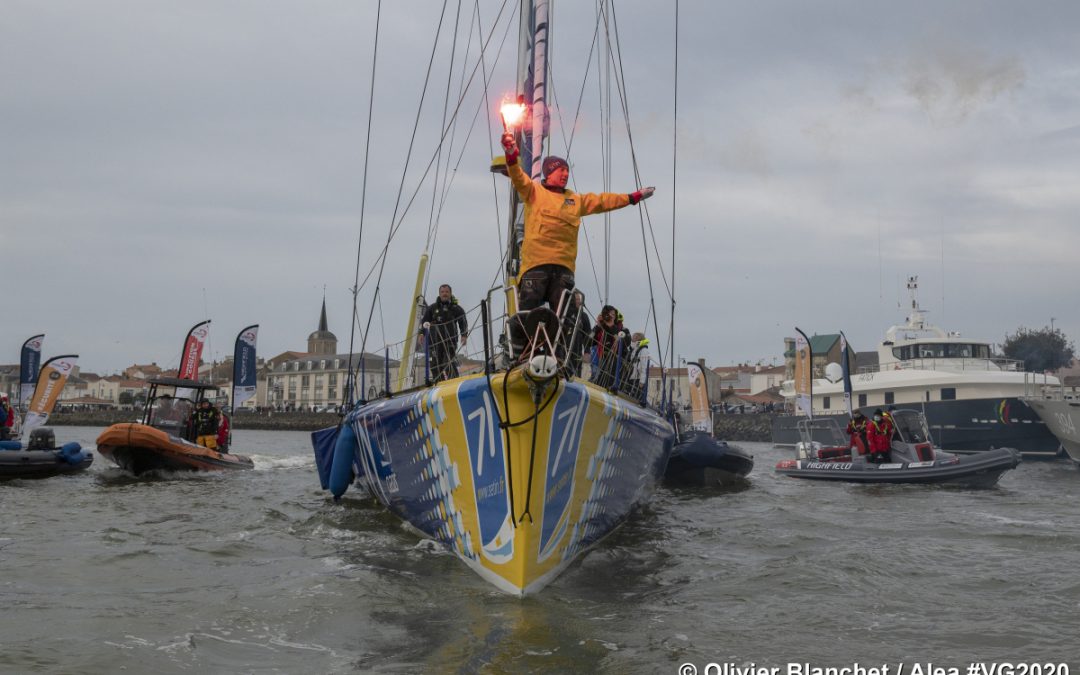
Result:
x=552 y=218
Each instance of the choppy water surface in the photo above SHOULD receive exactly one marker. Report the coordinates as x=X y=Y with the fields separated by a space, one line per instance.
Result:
x=259 y=571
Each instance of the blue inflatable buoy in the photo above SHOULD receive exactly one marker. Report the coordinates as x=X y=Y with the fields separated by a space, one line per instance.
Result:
x=10 y=445
x=341 y=471
x=72 y=453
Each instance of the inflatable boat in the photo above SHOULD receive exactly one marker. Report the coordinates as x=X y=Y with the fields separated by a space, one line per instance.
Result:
x=700 y=459
x=41 y=458
x=163 y=440
x=912 y=457
x=139 y=448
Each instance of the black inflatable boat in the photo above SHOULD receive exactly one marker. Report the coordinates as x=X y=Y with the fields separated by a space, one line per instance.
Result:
x=913 y=458
x=41 y=458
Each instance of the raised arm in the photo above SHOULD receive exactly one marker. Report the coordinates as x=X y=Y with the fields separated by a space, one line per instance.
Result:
x=609 y=201
x=521 y=181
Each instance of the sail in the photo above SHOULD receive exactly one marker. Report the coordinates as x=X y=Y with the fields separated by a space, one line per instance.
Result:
x=700 y=413
x=845 y=364
x=804 y=387
x=29 y=365
x=192 y=354
x=244 y=369
x=51 y=380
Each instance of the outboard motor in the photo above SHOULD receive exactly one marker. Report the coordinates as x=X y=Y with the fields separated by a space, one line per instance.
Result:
x=42 y=438
x=807 y=449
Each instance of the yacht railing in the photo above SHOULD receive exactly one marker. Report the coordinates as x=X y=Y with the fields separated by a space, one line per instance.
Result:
x=1036 y=387
x=950 y=364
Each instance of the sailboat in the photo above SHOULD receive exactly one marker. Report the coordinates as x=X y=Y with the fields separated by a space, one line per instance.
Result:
x=699 y=458
x=518 y=468
x=164 y=440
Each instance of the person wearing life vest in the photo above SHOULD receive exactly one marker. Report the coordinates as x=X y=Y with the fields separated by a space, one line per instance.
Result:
x=223 y=434
x=446 y=326
x=204 y=422
x=610 y=341
x=879 y=436
x=579 y=330
x=856 y=430
x=7 y=419
x=552 y=219
x=887 y=416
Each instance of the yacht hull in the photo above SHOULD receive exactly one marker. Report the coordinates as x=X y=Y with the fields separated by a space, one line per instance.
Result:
x=1062 y=418
x=968 y=426
x=515 y=480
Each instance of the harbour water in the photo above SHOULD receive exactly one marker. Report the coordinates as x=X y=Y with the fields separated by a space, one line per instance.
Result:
x=260 y=572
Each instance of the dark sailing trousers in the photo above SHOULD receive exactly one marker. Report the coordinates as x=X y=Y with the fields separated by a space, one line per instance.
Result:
x=544 y=283
x=443 y=365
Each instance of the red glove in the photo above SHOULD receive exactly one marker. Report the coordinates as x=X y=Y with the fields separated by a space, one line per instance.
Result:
x=510 y=147
x=640 y=194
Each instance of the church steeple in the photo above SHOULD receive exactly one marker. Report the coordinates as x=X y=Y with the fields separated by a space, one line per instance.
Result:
x=322 y=341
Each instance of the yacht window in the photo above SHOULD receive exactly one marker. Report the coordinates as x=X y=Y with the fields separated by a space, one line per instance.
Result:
x=932 y=351
x=826 y=402
x=927 y=396
x=862 y=400
x=948 y=393
x=889 y=398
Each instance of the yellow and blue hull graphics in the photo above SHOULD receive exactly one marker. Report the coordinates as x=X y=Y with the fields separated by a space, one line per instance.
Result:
x=515 y=480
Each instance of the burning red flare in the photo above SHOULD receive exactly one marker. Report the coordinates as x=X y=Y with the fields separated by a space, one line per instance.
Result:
x=513 y=112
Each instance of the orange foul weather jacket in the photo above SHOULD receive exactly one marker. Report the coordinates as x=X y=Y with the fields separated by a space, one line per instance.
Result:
x=552 y=219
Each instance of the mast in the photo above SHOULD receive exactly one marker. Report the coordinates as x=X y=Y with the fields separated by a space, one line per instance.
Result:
x=533 y=58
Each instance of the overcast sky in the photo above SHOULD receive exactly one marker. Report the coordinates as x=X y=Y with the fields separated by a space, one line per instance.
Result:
x=165 y=162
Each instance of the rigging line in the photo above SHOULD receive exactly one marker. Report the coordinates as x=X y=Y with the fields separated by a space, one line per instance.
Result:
x=487 y=106
x=442 y=125
x=674 y=182
x=405 y=170
x=601 y=15
x=395 y=227
x=568 y=142
x=642 y=212
x=460 y=96
x=592 y=261
x=363 y=192
x=483 y=104
x=637 y=176
x=382 y=321
x=621 y=83
x=379 y=263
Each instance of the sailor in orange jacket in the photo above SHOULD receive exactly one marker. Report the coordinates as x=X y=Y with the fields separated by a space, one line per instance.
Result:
x=552 y=219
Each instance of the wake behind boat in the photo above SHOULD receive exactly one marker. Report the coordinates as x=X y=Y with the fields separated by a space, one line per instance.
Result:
x=913 y=458
x=164 y=440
